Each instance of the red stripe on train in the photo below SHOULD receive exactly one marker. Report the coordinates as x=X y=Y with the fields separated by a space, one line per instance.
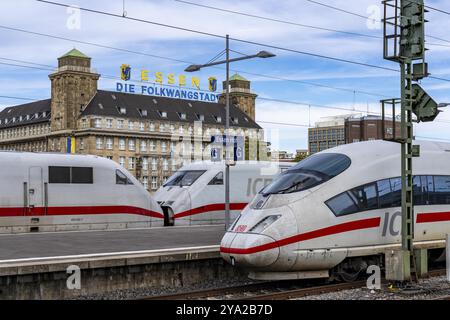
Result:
x=79 y=210
x=433 y=217
x=209 y=208
x=339 y=228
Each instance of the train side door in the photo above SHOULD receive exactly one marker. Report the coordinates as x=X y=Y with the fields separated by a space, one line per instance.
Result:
x=35 y=191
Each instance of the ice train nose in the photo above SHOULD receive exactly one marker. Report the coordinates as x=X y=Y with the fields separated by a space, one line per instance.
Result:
x=249 y=250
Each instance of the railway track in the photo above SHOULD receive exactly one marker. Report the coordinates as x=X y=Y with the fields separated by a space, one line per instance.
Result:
x=274 y=290
x=202 y=294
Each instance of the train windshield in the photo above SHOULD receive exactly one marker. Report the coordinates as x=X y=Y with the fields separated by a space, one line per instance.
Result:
x=184 y=178
x=309 y=173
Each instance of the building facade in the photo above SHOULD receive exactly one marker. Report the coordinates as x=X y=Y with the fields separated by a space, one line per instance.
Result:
x=328 y=133
x=333 y=131
x=150 y=136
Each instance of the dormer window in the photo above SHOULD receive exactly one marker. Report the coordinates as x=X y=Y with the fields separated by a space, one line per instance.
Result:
x=200 y=117
x=234 y=120
x=28 y=117
x=122 y=110
x=44 y=114
x=100 y=106
x=113 y=97
x=142 y=112
x=14 y=119
x=36 y=115
x=163 y=114
x=182 y=115
x=218 y=119
x=155 y=101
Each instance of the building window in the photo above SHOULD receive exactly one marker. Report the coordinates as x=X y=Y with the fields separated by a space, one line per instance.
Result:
x=141 y=126
x=109 y=123
x=143 y=145
x=355 y=140
x=145 y=182
x=152 y=145
x=121 y=144
x=154 y=164
x=99 y=143
x=130 y=125
x=163 y=146
x=165 y=165
x=98 y=123
x=154 y=183
x=163 y=114
x=131 y=163
x=131 y=145
x=151 y=127
x=122 y=161
x=181 y=130
x=81 y=143
x=162 y=127
x=145 y=163
x=109 y=143
x=120 y=124
x=174 y=165
x=182 y=115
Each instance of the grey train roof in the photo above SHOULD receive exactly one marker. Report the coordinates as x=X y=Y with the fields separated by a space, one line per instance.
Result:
x=107 y=103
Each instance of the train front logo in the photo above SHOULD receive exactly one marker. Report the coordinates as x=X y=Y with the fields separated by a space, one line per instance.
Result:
x=125 y=72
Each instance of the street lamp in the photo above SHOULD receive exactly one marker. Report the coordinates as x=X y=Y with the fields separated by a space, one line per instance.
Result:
x=227 y=61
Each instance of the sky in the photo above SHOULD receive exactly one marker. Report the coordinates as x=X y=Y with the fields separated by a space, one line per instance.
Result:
x=155 y=48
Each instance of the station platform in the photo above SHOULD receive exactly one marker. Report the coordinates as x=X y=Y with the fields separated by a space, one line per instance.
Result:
x=63 y=244
x=35 y=265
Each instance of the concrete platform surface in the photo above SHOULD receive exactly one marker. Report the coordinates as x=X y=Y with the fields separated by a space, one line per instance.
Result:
x=37 y=245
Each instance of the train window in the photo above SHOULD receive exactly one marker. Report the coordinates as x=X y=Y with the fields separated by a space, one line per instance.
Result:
x=308 y=173
x=82 y=175
x=59 y=174
x=329 y=164
x=441 y=193
x=396 y=188
x=420 y=190
x=366 y=197
x=217 y=180
x=384 y=193
x=184 y=178
x=122 y=179
x=342 y=205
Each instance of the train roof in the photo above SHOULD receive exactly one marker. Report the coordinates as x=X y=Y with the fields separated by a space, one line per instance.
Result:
x=59 y=157
x=376 y=148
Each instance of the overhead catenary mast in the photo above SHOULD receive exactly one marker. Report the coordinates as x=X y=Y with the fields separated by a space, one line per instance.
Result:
x=404 y=42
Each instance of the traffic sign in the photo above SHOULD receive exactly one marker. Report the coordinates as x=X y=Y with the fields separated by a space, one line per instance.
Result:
x=235 y=142
x=216 y=154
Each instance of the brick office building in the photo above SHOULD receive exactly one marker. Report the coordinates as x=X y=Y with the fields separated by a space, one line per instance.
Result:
x=333 y=131
x=150 y=136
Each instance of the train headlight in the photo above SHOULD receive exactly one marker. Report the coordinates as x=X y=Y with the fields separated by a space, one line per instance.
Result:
x=264 y=223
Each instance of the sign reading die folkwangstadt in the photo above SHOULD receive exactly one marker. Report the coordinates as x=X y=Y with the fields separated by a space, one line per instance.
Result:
x=177 y=86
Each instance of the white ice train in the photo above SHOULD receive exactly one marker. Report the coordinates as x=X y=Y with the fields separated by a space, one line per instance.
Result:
x=61 y=192
x=194 y=195
x=338 y=211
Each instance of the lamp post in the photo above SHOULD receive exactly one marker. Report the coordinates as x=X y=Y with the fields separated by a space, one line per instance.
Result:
x=227 y=61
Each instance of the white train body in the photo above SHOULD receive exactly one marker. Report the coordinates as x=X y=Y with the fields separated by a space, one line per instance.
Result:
x=310 y=228
x=195 y=194
x=61 y=192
